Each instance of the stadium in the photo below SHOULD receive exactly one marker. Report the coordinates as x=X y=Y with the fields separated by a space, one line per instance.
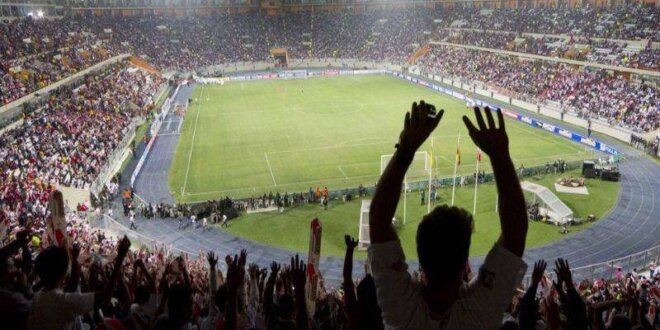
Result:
x=141 y=141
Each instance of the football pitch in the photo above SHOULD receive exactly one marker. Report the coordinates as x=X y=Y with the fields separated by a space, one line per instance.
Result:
x=244 y=139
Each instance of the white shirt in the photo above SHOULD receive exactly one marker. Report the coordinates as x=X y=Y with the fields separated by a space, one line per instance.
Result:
x=480 y=305
x=55 y=309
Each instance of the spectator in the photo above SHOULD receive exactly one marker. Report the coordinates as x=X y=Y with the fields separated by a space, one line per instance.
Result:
x=443 y=240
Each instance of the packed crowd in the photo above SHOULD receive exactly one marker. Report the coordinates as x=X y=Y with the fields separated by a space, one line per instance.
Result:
x=157 y=288
x=626 y=22
x=35 y=53
x=589 y=93
x=616 y=53
x=68 y=140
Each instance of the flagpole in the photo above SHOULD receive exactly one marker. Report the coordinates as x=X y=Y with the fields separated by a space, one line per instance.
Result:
x=476 y=184
x=405 y=198
x=453 y=189
x=428 y=207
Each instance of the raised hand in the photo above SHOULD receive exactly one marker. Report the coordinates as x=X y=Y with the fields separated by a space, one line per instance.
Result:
x=417 y=126
x=539 y=270
x=23 y=236
x=75 y=251
x=235 y=274
x=563 y=271
x=242 y=258
x=489 y=138
x=274 y=268
x=253 y=271
x=298 y=273
x=351 y=242
x=212 y=259
x=123 y=246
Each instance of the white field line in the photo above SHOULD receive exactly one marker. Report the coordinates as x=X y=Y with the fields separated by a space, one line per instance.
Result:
x=192 y=143
x=342 y=172
x=272 y=176
x=169 y=134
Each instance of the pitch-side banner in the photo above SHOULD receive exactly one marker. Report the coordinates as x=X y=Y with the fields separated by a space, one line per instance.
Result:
x=313 y=258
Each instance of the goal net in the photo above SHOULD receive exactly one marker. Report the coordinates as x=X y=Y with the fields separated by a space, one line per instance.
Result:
x=418 y=170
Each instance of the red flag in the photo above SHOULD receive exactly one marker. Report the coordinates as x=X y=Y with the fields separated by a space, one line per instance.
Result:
x=478 y=155
x=458 y=155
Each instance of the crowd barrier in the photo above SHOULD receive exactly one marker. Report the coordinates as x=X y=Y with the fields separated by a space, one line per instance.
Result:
x=116 y=229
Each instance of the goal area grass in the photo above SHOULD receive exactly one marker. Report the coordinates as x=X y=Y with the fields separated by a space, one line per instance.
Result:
x=248 y=138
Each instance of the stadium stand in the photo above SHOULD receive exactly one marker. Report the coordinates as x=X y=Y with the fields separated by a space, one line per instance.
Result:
x=68 y=139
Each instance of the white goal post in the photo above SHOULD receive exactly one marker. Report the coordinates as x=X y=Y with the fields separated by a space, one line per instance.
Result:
x=418 y=170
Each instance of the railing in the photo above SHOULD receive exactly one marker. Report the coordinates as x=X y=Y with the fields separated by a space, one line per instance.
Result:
x=115 y=158
x=116 y=229
x=638 y=261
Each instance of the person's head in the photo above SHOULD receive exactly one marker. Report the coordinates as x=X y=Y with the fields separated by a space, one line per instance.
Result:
x=620 y=322
x=368 y=303
x=142 y=294
x=286 y=307
x=52 y=265
x=179 y=304
x=443 y=245
x=7 y=268
x=221 y=298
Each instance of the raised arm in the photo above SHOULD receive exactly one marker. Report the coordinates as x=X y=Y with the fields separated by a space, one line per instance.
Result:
x=213 y=281
x=494 y=142
x=299 y=278
x=529 y=309
x=101 y=298
x=417 y=126
x=350 y=300
x=235 y=278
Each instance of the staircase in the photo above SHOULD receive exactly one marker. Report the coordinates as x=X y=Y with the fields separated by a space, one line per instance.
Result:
x=144 y=65
x=419 y=53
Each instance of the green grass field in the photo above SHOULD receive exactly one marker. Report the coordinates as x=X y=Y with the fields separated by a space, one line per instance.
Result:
x=247 y=138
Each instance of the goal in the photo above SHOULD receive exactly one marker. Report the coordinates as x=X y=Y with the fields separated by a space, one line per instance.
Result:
x=418 y=170
x=363 y=234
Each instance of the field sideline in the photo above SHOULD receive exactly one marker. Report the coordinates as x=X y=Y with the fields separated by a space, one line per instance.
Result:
x=247 y=138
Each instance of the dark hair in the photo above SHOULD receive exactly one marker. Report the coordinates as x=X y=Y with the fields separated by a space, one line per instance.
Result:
x=370 y=312
x=220 y=298
x=443 y=244
x=51 y=265
x=179 y=304
x=285 y=306
x=142 y=294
